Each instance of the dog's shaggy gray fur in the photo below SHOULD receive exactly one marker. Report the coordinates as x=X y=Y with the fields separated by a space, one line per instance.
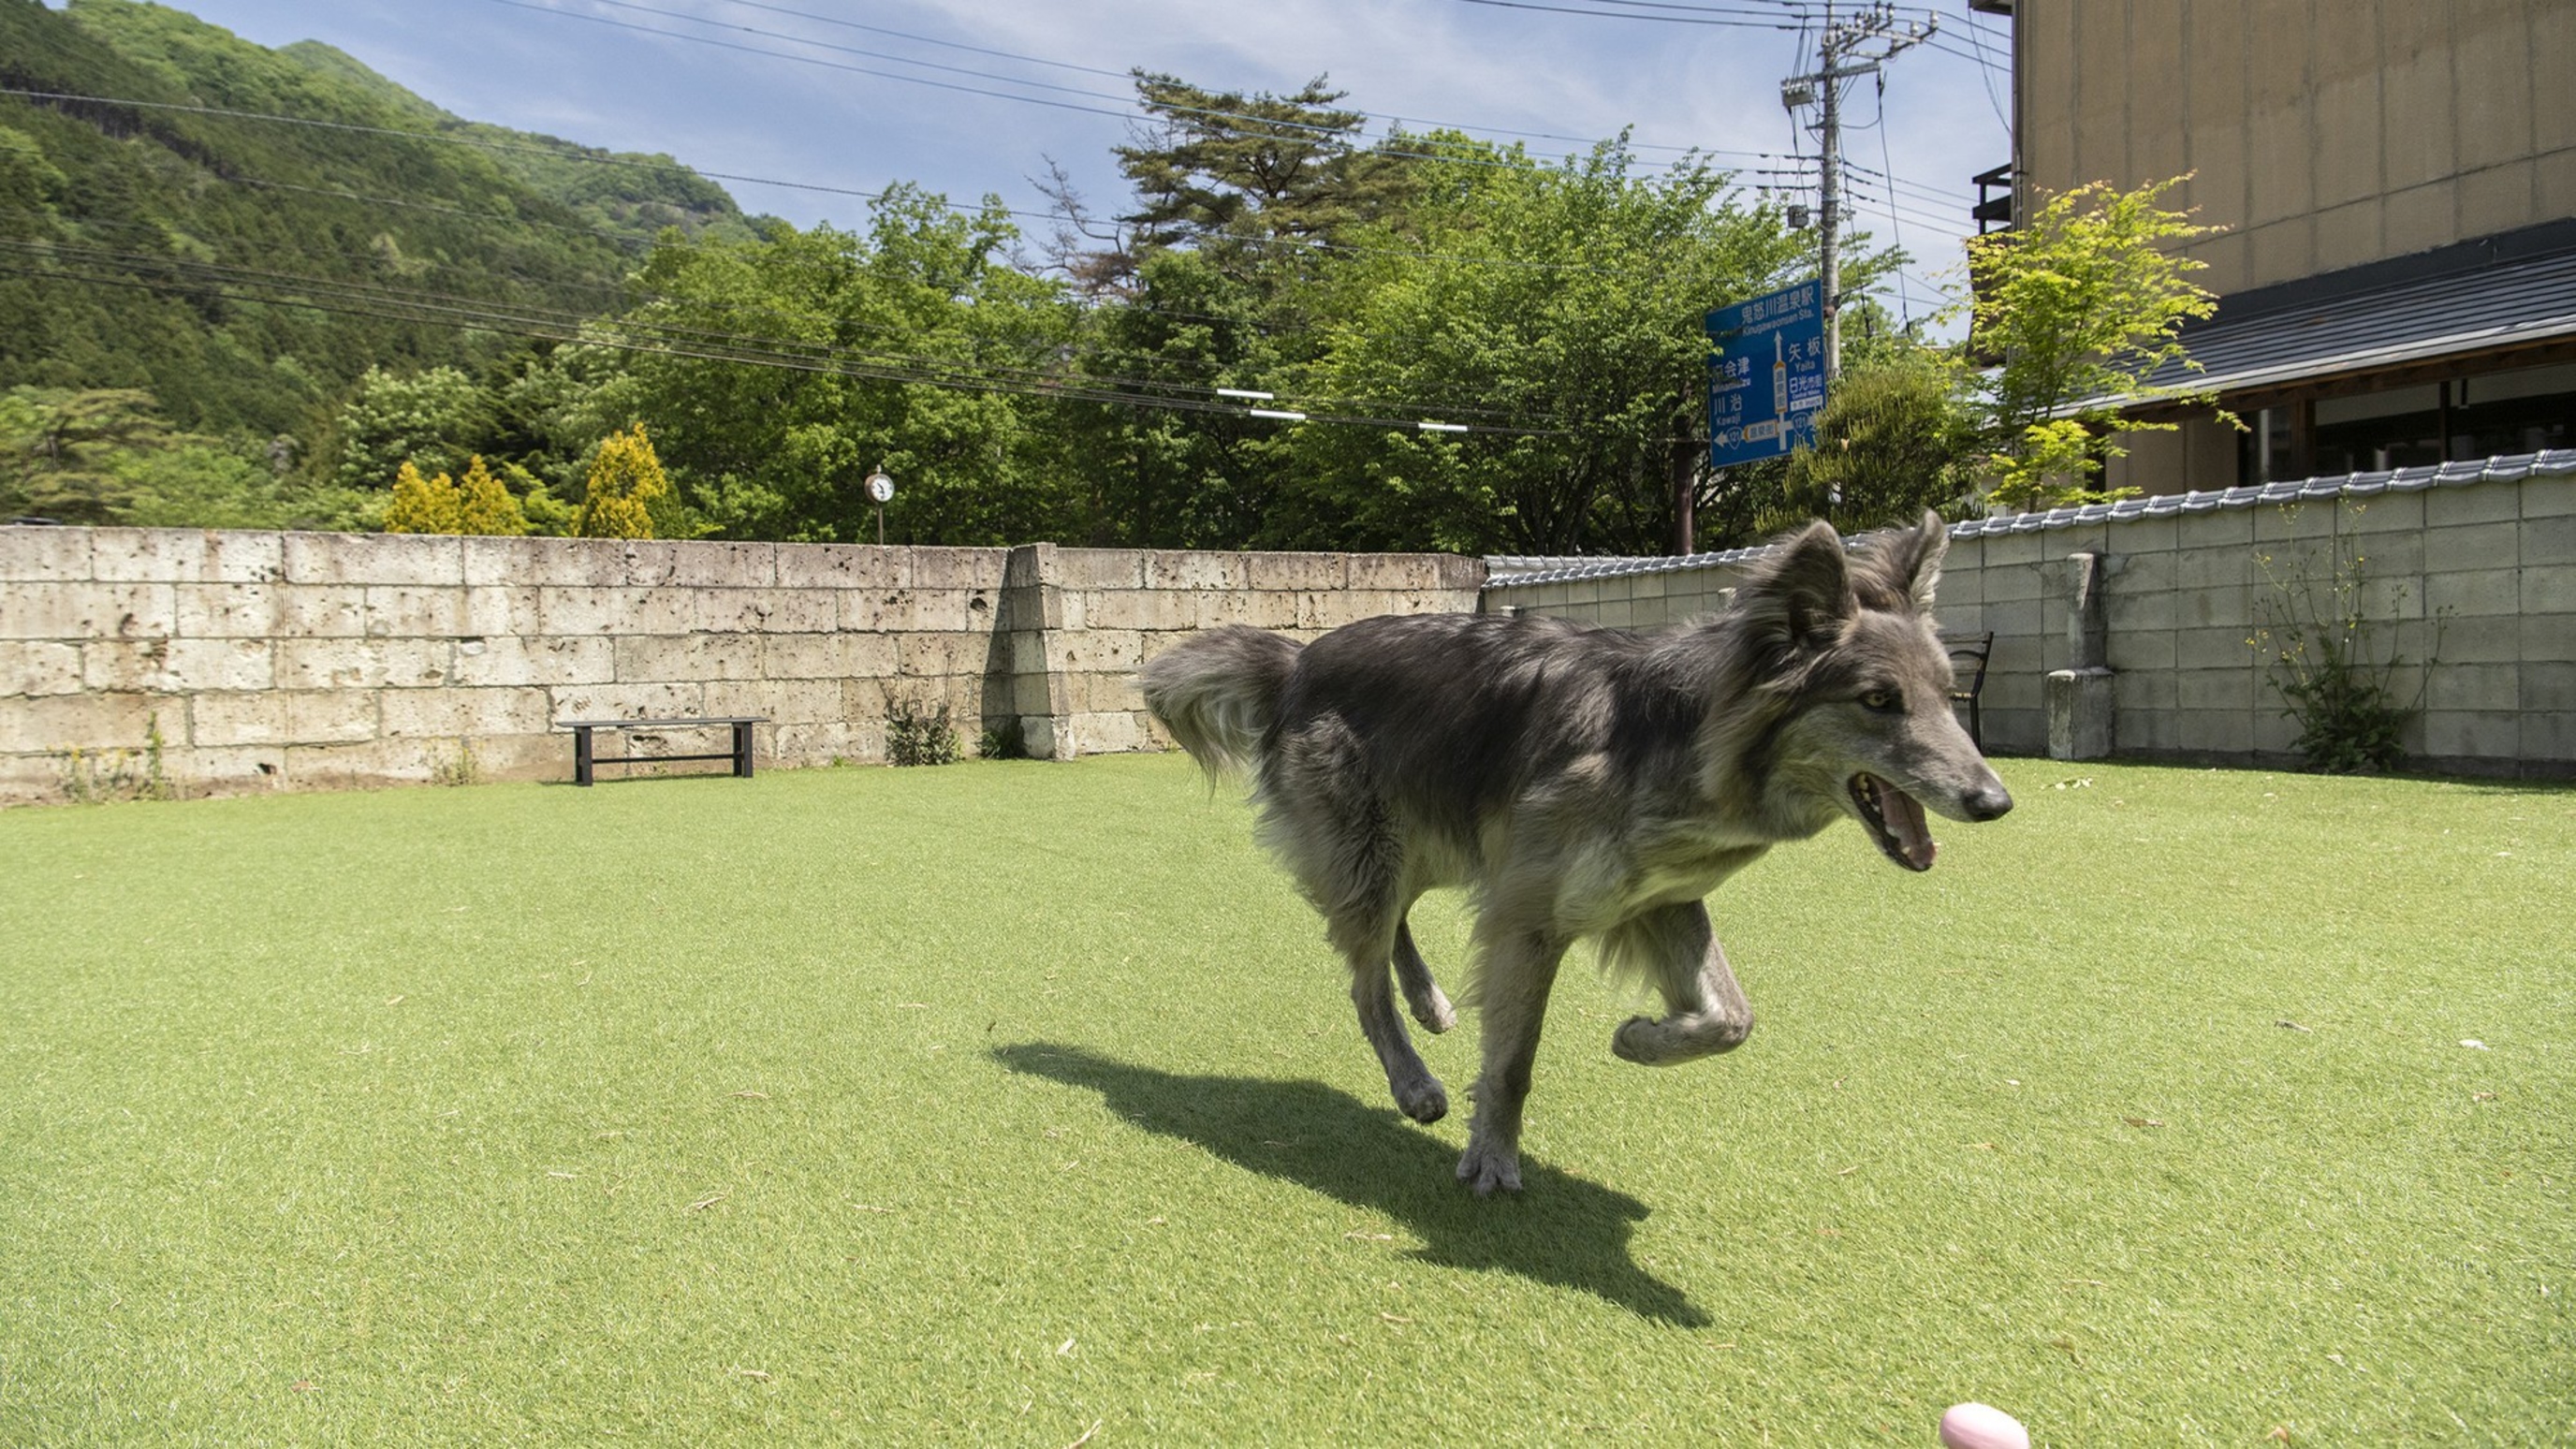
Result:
x=1581 y=782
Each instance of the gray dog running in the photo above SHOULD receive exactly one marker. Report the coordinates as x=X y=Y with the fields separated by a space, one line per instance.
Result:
x=1582 y=781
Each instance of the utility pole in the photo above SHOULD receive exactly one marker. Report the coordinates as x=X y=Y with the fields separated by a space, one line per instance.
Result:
x=1854 y=46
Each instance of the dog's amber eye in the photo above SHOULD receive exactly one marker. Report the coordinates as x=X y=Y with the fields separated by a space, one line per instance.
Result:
x=1880 y=699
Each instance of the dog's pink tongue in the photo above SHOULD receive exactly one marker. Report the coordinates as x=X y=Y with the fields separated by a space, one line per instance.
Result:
x=1905 y=821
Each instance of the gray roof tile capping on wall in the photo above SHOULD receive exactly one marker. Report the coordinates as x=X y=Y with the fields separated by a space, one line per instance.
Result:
x=1516 y=571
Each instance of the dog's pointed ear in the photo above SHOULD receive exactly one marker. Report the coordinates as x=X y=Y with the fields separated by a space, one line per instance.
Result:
x=1902 y=567
x=1803 y=591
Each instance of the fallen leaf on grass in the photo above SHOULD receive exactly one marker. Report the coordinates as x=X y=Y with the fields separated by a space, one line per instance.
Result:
x=752 y=1095
x=1983 y=1147
x=2144 y=1121
x=2280 y=1434
x=393 y=1001
x=1064 y=1348
x=710 y=1200
x=302 y=1386
x=1829 y=1232
x=2482 y=1096
x=2289 y=1025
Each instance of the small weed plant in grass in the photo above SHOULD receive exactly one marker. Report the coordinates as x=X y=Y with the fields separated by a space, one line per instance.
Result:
x=2334 y=663
x=918 y=734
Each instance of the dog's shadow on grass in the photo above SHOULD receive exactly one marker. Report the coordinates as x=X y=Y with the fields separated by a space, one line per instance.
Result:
x=1561 y=1230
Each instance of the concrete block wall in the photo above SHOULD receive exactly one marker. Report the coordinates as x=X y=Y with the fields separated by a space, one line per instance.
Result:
x=254 y=661
x=2478 y=577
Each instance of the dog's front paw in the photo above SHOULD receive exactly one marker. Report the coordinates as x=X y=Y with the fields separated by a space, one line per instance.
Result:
x=1639 y=1039
x=1433 y=1010
x=1485 y=1167
x=1425 y=1101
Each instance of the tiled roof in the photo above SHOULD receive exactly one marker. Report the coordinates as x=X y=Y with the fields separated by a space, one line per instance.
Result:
x=1511 y=572
x=2508 y=303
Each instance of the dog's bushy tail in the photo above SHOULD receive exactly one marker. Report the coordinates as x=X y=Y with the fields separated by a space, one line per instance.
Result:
x=1219 y=692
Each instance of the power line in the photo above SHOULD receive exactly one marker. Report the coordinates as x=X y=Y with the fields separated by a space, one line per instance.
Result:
x=588 y=156
x=650 y=335
x=1386 y=118
x=1747 y=23
x=1268 y=124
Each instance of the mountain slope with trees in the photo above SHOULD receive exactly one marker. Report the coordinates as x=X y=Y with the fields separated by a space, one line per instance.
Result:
x=156 y=246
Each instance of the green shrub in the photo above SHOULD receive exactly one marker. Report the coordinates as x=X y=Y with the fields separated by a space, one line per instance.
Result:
x=919 y=736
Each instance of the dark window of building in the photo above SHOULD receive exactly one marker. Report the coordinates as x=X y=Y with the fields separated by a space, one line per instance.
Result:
x=2266 y=450
x=2482 y=416
x=2398 y=428
x=2514 y=412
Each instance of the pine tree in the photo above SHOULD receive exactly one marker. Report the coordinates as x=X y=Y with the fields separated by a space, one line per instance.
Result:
x=484 y=506
x=626 y=480
x=424 y=505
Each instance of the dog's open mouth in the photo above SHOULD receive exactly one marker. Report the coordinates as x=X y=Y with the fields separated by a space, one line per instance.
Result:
x=1895 y=821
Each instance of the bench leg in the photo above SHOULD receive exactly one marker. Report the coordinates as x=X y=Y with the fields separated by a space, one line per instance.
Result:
x=581 y=755
x=742 y=751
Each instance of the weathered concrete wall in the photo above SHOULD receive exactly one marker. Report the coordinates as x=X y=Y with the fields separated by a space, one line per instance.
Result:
x=269 y=661
x=2480 y=577
x=2319 y=134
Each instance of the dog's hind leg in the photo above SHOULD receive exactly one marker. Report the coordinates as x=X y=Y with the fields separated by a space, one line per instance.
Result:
x=1518 y=971
x=1705 y=1010
x=1415 y=1089
x=1430 y=1006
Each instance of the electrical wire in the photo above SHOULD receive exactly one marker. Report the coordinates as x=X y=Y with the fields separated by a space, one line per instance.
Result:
x=1128 y=75
x=1741 y=24
x=643 y=332
x=674 y=168
x=1126 y=110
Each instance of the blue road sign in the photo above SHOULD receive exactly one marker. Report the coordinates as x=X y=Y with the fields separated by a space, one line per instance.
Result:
x=1766 y=375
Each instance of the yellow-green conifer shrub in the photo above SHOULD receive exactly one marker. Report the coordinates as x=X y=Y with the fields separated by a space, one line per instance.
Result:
x=625 y=480
x=423 y=505
x=484 y=506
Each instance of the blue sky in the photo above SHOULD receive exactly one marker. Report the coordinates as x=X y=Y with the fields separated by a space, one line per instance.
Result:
x=688 y=77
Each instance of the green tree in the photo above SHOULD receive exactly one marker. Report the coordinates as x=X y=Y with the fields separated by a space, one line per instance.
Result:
x=626 y=484
x=1555 y=308
x=1228 y=170
x=2083 y=303
x=1154 y=477
x=919 y=347
x=423 y=505
x=59 y=448
x=483 y=506
x=437 y=418
x=1892 y=440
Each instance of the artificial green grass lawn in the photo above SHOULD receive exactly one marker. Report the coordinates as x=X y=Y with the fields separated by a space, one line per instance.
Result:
x=1002 y=1102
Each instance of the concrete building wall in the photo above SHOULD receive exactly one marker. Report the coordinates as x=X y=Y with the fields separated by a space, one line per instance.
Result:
x=2479 y=578
x=221 y=662
x=2321 y=133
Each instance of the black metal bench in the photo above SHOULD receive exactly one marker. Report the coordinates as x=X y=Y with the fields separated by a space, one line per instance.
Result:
x=1968 y=657
x=584 y=761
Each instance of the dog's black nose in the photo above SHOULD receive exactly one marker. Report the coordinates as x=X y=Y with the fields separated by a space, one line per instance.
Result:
x=1988 y=804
